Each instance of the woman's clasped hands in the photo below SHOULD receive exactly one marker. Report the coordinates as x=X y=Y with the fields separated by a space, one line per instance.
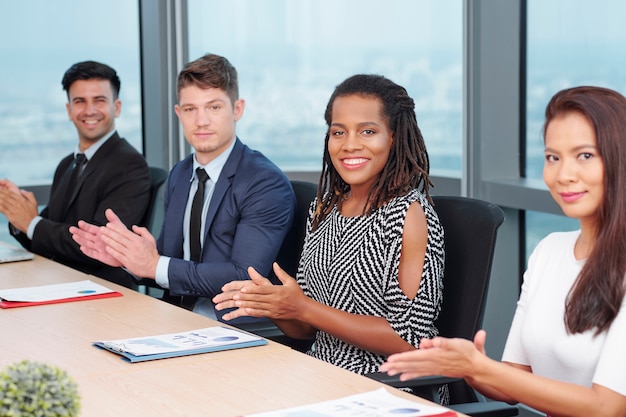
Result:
x=258 y=297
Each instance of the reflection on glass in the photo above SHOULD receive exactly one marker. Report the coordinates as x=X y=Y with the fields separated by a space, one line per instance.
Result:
x=291 y=54
x=570 y=43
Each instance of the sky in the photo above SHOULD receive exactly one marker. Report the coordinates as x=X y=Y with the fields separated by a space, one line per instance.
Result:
x=577 y=20
x=24 y=21
x=26 y=17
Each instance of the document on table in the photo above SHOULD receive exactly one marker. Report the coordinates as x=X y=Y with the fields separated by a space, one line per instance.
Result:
x=210 y=339
x=379 y=403
x=13 y=254
x=55 y=293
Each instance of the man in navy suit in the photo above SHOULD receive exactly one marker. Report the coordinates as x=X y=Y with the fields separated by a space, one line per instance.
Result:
x=248 y=203
x=112 y=174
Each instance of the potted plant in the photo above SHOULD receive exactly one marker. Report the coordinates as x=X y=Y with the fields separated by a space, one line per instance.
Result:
x=35 y=389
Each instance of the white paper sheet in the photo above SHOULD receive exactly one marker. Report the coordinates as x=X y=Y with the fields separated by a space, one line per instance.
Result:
x=379 y=403
x=54 y=292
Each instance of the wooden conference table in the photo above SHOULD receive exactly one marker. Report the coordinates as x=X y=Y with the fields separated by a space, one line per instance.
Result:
x=229 y=383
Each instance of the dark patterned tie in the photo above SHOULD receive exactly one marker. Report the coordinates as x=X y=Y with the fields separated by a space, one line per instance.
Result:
x=196 y=216
x=77 y=169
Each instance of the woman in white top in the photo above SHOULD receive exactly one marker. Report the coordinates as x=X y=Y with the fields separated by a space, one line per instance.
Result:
x=565 y=351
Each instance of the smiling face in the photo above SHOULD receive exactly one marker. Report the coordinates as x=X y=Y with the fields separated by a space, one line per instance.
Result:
x=93 y=109
x=573 y=169
x=359 y=140
x=208 y=117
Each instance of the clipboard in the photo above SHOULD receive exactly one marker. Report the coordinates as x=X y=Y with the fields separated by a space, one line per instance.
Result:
x=210 y=339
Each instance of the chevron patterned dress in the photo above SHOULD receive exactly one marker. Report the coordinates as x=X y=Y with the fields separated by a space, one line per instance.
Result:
x=351 y=264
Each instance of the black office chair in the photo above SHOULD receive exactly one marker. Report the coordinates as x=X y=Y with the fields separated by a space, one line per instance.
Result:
x=154 y=215
x=289 y=255
x=470 y=229
x=288 y=258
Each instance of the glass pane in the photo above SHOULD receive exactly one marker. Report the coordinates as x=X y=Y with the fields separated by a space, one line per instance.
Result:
x=291 y=54
x=539 y=225
x=570 y=43
x=41 y=40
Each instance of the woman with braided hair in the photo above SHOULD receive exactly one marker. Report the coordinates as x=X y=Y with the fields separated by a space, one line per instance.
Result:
x=369 y=282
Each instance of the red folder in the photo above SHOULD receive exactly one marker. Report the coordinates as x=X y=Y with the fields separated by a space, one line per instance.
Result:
x=13 y=304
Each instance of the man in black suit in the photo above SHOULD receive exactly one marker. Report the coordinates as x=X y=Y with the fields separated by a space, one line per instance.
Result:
x=104 y=171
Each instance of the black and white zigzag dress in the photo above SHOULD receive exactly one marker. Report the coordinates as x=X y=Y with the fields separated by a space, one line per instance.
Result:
x=351 y=263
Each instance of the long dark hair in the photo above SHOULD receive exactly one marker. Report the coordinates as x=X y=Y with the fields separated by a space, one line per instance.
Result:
x=596 y=297
x=408 y=165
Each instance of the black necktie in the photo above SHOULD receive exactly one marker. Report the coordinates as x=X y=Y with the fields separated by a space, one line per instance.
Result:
x=77 y=168
x=196 y=216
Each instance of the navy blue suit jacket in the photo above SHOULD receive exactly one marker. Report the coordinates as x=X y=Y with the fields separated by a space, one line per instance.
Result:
x=249 y=214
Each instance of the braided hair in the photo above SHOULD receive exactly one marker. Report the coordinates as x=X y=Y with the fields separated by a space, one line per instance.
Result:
x=407 y=167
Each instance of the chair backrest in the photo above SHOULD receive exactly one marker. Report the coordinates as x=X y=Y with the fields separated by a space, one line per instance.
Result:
x=470 y=228
x=289 y=255
x=288 y=258
x=154 y=214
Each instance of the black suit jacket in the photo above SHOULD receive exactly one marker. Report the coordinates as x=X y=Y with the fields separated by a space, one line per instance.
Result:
x=116 y=177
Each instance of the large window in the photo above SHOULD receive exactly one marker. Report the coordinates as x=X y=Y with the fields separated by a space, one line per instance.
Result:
x=40 y=41
x=570 y=43
x=291 y=54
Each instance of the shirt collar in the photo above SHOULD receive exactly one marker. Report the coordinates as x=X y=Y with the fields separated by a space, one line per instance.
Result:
x=91 y=151
x=213 y=168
